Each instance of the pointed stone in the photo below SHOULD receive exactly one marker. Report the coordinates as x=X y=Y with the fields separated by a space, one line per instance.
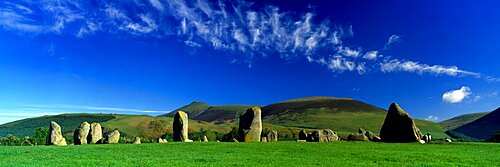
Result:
x=399 y=126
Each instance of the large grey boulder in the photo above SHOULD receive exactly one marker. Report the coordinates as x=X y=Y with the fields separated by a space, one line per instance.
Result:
x=95 y=133
x=81 y=134
x=55 y=136
x=250 y=127
x=113 y=137
x=399 y=126
x=272 y=136
x=181 y=127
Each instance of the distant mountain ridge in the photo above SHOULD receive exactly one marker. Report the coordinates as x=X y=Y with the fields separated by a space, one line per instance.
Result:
x=482 y=128
x=460 y=120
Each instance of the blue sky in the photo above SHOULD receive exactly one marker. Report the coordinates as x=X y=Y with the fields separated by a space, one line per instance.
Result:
x=437 y=59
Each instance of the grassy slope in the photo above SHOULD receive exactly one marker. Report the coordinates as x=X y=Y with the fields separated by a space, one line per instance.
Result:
x=460 y=120
x=339 y=114
x=482 y=128
x=132 y=123
x=69 y=122
x=257 y=154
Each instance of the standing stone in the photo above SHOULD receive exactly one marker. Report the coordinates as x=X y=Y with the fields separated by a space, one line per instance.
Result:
x=399 y=126
x=113 y=137
x=272 y=136
x=205 y=139
x=250 y=125
x=181 y=127
x=81 y=134
x=54 y=136
x=95 y=134
x=263 y=139
x=303 y=135
x=234 y=140
x=137 y=140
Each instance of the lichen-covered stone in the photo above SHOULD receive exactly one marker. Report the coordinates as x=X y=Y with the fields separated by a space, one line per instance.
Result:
x=357 y=137
x=160 y=140
x=95 y=133
x=181 y=127
x=399 y=126
x=113 y=137
x=263 y=139
x=205 y=139
x=81 y=133
x=250 y=127
x=55 y=136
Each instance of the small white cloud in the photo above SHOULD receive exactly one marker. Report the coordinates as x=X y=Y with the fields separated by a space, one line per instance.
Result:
x=477 y=98
x=393 y=39
x=431 y=118
x=456 y=96
x=372 y=55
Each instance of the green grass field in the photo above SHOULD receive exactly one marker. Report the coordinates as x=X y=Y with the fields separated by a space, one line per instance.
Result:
x=257 y=154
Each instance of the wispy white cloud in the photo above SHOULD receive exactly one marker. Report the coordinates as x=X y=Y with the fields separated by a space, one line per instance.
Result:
x=456 y=96
x=239 y=27
x=396 y=65
x=392 y=39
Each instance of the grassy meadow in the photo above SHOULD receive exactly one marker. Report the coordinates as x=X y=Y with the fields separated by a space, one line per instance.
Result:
x=256 y=154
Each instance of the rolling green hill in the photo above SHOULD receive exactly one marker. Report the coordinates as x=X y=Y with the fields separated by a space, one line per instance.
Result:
x=26 y=127
x=130 y=124
x=217 y=114
x=460 y=120
x=339 y=114
x=482 y=128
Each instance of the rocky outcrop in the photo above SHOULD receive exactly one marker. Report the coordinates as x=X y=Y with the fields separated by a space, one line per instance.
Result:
x=250 y=126
x=357 y=137
x=399 y=126
x=272 y=136
x=80 y=135
x=55 y=136
x=113 y=137
x=181 y=127
x=160 y=140
x=95 y=133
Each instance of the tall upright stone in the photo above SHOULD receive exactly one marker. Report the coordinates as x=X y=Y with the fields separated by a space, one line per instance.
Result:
x=399 y=126
x=272 y=136
x=250 y=126
x=95 y=133
x=55 y=136
x=181 y=127
x=81 y=134
x=137 y=140
x=113 y=137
